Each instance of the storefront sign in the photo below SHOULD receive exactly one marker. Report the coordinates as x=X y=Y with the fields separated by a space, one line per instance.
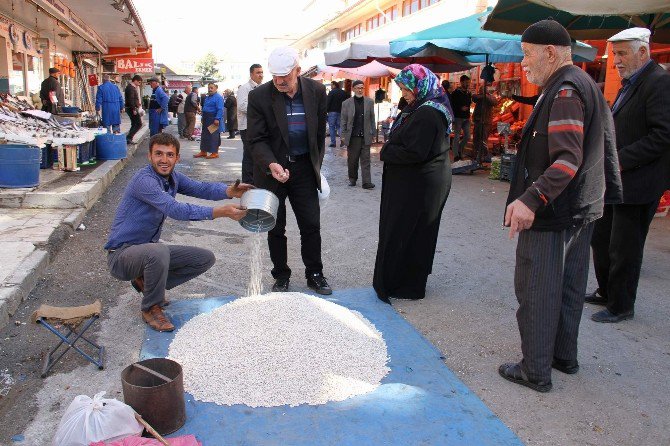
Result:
x=134 y=65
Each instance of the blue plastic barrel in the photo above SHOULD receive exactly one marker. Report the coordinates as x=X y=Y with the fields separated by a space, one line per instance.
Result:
x=19 y=165
x=111 y=147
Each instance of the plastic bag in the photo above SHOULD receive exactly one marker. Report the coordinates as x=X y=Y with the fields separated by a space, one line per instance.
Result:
x=324 y=193
x=88 y=420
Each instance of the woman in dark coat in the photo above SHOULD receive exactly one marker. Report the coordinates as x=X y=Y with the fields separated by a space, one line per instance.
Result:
x=415 y=185
x=231 y=113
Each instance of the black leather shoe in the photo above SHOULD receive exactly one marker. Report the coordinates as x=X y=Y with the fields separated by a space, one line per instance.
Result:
x=280 y=286
x=368 y=186
x=352 y=183
x=595 y=298
x=607 y=316
x=513 y=372
x=319 y=284
x=565 y=366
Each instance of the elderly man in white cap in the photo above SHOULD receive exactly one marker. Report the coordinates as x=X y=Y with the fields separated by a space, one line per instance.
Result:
x=286 y=129
x=642 y=120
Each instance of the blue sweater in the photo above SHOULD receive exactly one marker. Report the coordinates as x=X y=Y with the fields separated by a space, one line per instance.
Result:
x=149 y=198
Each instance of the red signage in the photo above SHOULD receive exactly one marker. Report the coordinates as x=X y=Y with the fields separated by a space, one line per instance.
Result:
x=134 y=65
x=92 y=80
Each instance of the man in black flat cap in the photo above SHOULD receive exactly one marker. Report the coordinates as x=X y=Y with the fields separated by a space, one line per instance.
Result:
x=566 y=170
x=50 y=92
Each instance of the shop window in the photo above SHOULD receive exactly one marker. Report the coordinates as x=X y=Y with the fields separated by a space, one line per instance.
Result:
x=410 y=7
x=35 y=74
x=16 y=86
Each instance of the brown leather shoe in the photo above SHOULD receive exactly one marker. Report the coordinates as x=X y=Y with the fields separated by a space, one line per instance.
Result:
x=138 y=284
x=201 y=154
x=157 y=319
x=212 y=156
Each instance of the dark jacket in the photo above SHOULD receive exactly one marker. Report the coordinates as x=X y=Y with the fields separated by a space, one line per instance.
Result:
x=336 y=97
x=192 y=102
x=132 y=98
x=597 y=180
x=51 y=84
x=417 y=140
x=487 y=107
x=642 y=124
x=174 y=102
x=231 y=112
x=267 y=129
x=460 y=99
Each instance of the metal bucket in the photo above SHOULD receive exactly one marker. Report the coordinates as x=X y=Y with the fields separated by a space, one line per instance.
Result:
x=159 y=402
x=261 y=205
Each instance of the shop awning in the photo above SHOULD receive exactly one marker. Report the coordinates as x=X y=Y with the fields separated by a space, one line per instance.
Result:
x=592 y=19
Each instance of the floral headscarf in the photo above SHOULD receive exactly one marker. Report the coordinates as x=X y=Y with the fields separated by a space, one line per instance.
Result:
x=428 y=91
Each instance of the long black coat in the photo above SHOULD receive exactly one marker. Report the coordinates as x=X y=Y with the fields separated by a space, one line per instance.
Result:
x=415 y=186
x=642 y=124
x=267 y=129
x=231 y=112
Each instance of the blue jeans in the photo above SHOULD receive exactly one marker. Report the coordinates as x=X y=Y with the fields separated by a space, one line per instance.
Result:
x=333 y=126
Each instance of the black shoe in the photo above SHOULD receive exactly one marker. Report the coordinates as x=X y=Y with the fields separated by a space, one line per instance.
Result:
x=513 y=372
x=280 y=286
x=231 y=137
x=352 y=183
x=565 y=366
x=319 y=284
x=608 y=317
x=595 y=298
x=331 y=145
x=368 y=186
x=457 y=158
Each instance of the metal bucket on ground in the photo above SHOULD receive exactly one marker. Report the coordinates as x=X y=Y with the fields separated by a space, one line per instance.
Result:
x=155 y=389
x=261 y=205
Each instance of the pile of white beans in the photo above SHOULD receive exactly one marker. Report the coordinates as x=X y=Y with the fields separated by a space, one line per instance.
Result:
x=279 y=349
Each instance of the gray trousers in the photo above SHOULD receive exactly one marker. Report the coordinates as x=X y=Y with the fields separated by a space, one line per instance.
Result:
x=357 y=150
x=181 y=123
x=458 y=143
x=550 y=282
x=162 y=266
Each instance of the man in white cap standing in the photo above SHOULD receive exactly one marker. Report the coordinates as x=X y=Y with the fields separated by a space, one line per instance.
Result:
x=286 y=130
x=642 y=123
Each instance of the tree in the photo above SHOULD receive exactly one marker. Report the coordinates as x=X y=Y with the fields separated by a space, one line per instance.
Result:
x=207 y=66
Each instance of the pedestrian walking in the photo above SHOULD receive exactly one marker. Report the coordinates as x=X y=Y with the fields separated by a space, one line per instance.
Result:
x=231 y=113
x=287 y=133
x=642 y=123
x=336 y=96
x=566 y=169
x=191 y=108
x=461 y=99
x=133 y=107
x=181 y=116
x=358 y=127
x=255 y=79
x=212 y=124
x=158 y=107
x=415 y=185
x=109 y=101
x=134 y=249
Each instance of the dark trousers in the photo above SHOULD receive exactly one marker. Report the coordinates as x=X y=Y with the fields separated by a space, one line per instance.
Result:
x=618 y=246
x=301 y=191
x=135 y=124
x=550 y=282
x=190 y=124
x=480 y=140
x=357 y=150
x=162 y=266
x=247 y=161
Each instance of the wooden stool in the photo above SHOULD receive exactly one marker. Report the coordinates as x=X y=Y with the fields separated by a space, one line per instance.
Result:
x=71 y=318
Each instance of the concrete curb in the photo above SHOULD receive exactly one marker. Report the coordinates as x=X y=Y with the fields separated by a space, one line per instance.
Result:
x=79 y=198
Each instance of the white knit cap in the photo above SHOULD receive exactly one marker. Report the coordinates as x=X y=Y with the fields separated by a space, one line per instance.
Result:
x=282 y=60
x=641 y=34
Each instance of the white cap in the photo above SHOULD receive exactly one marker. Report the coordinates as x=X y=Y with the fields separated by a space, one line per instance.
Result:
x=282 y=60
x=641 y=34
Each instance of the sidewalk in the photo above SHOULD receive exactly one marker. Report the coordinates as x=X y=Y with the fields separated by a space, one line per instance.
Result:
x=35 y=221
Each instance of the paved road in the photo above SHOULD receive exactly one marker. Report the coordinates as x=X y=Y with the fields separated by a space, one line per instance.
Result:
x=618 y=397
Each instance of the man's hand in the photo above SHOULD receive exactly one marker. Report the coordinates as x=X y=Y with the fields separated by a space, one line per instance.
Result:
x=216 y=122
x=159 y=110
x=232 y=211
x=279 y=173
x=518 y=217
x=236 y=190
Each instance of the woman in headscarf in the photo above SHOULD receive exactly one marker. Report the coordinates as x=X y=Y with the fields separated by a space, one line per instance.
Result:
x=415 y=185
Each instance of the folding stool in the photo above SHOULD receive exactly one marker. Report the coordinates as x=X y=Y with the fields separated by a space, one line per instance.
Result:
x=71 y=318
